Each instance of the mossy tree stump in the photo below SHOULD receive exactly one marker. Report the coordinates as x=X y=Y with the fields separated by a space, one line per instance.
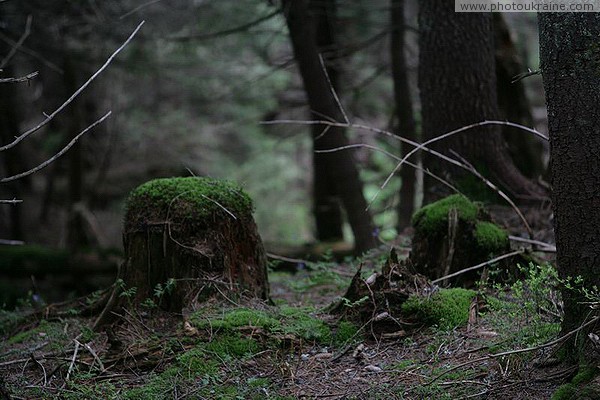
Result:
x=453 y=234
x=198 y=232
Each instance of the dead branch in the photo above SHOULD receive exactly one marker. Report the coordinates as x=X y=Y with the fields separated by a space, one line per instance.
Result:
x=495 y=188
x=13 y=201
x=225 y=32
x=74 y=95
x=423 y=146
x=57 y=155
x=483 y=264
x=18 y=44
x=25 y=78
x=387 y=153
x=506 y=353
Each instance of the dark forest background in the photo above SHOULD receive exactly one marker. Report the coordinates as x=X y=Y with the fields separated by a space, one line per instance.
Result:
x=188 y=96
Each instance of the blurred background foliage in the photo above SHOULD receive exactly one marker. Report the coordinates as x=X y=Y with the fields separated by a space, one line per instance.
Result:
x=188 y=96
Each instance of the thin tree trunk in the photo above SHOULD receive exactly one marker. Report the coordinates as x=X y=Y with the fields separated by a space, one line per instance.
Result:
x=404 y=110
x=570 y=59
x=341 y=165
x=457 y=82
x=327 y=211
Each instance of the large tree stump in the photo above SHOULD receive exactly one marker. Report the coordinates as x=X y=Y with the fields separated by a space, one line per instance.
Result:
x=453 y=234
x=189 y=238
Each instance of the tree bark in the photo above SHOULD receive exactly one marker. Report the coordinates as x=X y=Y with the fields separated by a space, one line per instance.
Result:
x=404 y=110
x=10 y=122
x=76 y=235
x=340 y=165
x=525 y=150
x=457 y=82
x=570 y=63
x=327 y=211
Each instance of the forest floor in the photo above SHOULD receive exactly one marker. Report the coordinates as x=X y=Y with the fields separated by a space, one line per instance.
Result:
x=294 y=348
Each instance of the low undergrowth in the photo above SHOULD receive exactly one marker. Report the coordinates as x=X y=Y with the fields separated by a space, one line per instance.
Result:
x=292 y=350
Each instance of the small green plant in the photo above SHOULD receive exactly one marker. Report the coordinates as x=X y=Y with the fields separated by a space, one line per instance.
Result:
x=538 y=290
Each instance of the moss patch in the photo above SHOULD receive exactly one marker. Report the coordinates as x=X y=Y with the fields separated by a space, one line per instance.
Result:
x=235 y=319
x=490 y=237
x=195 y=198
x=434 y=217
x=447 y=309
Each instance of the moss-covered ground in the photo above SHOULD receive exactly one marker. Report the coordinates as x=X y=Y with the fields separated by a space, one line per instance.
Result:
x=292 y=349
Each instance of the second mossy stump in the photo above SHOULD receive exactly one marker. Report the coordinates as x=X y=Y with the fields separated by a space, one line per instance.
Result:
x=452 y=234
x=187 y=239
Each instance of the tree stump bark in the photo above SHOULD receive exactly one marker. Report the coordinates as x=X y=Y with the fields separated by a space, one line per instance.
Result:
x=453 y=234
x=187 y=239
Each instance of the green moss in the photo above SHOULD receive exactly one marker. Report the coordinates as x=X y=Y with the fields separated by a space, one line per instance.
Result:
x=232 y=345
x=195 y=363
x=576 y=391
x=447 y=309
x=434 y=217
x=298 y=322
x=585 y=374
x=344 y=332
x=52 y=331
x=490 y=237
x=235 y=319
x=190 y=197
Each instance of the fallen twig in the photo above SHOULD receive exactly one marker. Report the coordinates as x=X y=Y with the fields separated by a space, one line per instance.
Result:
x=483 y=264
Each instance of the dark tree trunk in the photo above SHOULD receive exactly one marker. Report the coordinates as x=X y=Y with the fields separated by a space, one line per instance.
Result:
x=327 y=211
x=340 y=165
x=404 y=110
x=570 y=60
x=76 y=235
x=10 y=123
x=457 y=82
x=525 y=149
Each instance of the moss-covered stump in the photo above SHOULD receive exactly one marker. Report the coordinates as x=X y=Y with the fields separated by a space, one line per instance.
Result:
x=453 y=234
x=189 y=238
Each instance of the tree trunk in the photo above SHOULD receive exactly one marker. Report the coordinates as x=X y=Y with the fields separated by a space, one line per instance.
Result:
x=327 y=211
x=457 y=82
x=404 y=110
x=76 y=122
x=340 y=165
x=525 y=150
x=10 y=123
x=570 y=60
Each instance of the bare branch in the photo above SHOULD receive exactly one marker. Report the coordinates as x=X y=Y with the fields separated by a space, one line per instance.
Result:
x=332 y=89
x=18 y=44
x=57 y=155
x=387 y=153
x=31 y=53
x=138 y=8
x=74 y=95
x=524 y=75
x=483 y=264
x=447 y=135
x=225 y=32
x=423 y=146
x=13 y=201
x=545 y=247
x=25 y=78
x=7 y=242
x=495 y=188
